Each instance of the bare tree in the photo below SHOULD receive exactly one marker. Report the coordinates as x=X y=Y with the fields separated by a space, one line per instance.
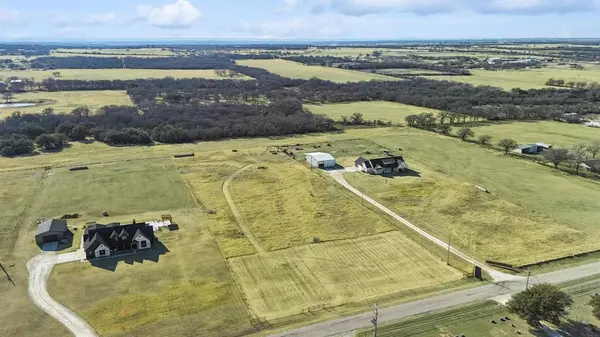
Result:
x=577 y=156
x=465 y=133
x=508 y=144
x=594 y=148
x=56 y=73
x=485 y=140
x=8 y=96
x=556 y=156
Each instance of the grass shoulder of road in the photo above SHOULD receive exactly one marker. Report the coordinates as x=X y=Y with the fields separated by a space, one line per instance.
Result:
x=379 y=110
x=298 y=70
x=115 y=74
x=66 y=101
x=475 y=319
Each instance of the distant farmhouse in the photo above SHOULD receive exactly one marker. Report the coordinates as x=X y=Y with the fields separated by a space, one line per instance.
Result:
x=536 y=148
x=380 y=165
x=592 y=165
x=320 y=160
x=106 y=240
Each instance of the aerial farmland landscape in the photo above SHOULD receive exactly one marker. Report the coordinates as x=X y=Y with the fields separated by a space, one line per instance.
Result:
x=335 y=172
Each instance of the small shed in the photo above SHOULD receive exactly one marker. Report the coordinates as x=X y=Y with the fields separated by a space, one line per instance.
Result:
x=51 y=231
x=320 y=160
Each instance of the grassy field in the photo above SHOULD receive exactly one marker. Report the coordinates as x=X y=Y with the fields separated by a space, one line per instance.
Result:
x=141 y=52
x=288 y=205
x=285 y=282
x=385 y=111
x=114 y=74
x=298 y=70
x=444 y=201
x=65 y=101
x=562 y=135
x=526 y=79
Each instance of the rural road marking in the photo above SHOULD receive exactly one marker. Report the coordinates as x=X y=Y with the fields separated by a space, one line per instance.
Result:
x=39 y=268
x=496 y=275
x=236 y=212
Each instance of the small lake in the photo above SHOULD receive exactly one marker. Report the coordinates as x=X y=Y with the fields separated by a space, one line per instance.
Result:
x=17 y=105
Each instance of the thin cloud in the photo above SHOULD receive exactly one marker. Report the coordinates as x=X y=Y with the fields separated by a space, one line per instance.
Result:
x=9 y=17
x=178 y=15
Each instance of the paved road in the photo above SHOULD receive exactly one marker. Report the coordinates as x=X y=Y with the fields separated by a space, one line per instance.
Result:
x=236 y=212
x=39 y=269
x=489 y=291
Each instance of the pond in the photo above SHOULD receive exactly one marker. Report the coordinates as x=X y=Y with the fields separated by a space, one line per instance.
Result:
x=17 y=105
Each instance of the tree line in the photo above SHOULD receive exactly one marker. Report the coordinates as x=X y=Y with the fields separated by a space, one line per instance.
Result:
x=559 y=82
x=91 y=62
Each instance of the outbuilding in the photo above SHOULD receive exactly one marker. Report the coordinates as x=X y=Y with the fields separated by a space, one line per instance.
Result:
x=320 y=160
x=51 y=231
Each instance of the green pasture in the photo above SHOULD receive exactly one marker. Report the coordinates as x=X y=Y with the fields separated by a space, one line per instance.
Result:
x=298 y=70
x=66 y=101
x=113 y=74
x=380 y=110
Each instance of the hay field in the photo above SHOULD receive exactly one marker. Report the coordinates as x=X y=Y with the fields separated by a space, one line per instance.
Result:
x=135 y=52
x=519 y=222
x=526 y=79
x=562 y=135
x=285 y=282
x=115 y=74
x=385 y=111
x=66 y=101
x=298 y=70
x=288 y=205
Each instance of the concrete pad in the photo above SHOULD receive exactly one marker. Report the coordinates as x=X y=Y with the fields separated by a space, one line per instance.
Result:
x=50 y=246
x=502 y=299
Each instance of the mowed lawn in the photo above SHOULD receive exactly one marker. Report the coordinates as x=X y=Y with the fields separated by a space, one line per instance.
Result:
x=526 y=79
x=297 y=70
x=288 y=205
x=115 y=74
x=186 y=291
x=285 y=282
x=125 y=188
x=66 y=101
x=385 y=111
x=562 y=135
x=533 y=212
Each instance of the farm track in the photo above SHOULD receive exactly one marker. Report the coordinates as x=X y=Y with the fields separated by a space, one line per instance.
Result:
x=242 y=224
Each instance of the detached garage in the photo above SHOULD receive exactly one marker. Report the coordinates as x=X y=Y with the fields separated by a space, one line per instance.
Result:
x=320 y=160
x=51 y=231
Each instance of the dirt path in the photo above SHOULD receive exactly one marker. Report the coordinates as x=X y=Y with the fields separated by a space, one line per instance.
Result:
x=39 y=269
x=338 y=175
x=236 y=212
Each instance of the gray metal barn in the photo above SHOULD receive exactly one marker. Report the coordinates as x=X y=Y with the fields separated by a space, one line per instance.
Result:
x=51 y=231
x=320 y=160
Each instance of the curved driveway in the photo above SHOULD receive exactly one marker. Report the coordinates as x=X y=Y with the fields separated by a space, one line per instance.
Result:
x=39 y=269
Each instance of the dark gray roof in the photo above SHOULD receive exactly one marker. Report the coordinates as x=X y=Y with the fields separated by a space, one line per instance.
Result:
x=114 y=235
x=387 y=162
x=54 y=225
x=593 y=163
x=359 y=161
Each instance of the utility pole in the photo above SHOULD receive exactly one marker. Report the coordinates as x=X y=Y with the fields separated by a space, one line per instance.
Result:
x=448 y=258
x=528 y=274
x=375 y=318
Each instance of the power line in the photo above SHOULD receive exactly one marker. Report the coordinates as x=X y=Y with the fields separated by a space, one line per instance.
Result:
x=375 y=319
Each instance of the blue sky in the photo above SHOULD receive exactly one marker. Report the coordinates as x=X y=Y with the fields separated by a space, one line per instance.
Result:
x=297 y=19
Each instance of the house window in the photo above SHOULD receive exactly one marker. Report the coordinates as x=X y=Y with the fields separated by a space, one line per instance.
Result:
x=102 y=252
x=144 y=244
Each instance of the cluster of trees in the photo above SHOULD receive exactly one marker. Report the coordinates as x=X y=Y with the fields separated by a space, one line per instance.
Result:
x=163 y=122
x=573 y=157
x=14 y=145
x=317 y=60
x=559 y=82
x=90 y=62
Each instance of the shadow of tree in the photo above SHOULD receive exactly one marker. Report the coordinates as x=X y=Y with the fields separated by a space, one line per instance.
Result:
x=153 y=254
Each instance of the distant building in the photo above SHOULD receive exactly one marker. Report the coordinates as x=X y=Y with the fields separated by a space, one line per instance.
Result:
x=532 y=148
x=3 y=86
x=106 y=240
x=592 y=165
x=51 y=231
x=380 y=165
x=320 y=160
